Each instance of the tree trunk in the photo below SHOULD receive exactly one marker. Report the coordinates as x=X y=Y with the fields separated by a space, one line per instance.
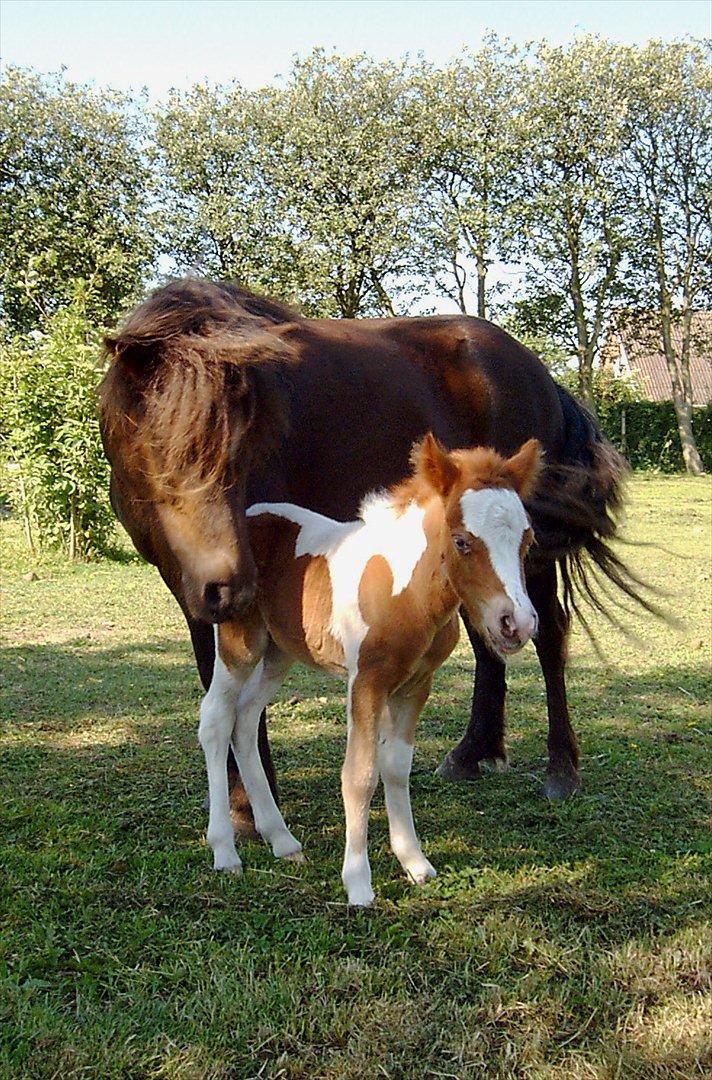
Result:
x=26 y=521
x=682 y=400
x=72 y=531
x=481 y=288
x=690 y=453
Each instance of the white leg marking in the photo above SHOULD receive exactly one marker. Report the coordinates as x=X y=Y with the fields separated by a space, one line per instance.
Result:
x=359 y=777
x=217 y=716
x=257 y=692
x=395 y=757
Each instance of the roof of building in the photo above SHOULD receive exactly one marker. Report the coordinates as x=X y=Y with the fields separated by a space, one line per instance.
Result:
x=634 y=346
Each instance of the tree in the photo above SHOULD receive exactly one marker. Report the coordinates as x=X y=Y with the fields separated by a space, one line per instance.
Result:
x=466 y=117
x=571 y=237
x=666 y=179
x=53 y=464
x=72 y=197
x=218 y=213
x=343 y=168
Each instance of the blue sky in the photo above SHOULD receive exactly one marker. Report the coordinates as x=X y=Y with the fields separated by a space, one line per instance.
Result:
x=164 y=43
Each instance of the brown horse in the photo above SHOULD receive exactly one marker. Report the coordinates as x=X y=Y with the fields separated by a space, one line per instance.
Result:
x=216 y=398
x=375 y=601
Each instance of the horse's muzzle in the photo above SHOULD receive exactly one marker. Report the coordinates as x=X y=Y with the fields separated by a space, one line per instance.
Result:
x=220 y=601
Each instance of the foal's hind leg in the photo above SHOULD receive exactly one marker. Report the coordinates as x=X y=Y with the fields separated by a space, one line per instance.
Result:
x=257 y=692
x=483 y=740
x=395 y=757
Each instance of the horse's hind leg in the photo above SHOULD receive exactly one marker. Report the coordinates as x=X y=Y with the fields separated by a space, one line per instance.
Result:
x=483 y=740
x=562 y=777
x=257 y=692
x=395 y=757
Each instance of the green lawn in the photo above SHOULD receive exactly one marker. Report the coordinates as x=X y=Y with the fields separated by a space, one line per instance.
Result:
x=557 y=941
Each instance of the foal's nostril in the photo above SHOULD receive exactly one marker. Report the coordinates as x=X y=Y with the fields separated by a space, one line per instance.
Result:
x=508 y=627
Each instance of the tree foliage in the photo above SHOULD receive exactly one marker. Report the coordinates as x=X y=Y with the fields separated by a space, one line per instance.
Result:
x=570 y=214
x=72 y=197
x=353 y=187
x=53 y=465
x=341 y=159
x=467 y=125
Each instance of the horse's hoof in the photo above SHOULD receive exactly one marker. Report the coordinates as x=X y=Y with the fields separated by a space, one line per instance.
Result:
x=361 y=897
x=228 y=864
x=494 y=764
x=297 y=857
x=561 y=784
x=456 y=771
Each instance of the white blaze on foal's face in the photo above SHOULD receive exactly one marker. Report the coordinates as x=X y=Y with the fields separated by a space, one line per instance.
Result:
x=494 y=539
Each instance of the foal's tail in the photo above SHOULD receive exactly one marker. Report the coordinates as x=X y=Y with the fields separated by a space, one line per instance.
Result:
x=576 y=512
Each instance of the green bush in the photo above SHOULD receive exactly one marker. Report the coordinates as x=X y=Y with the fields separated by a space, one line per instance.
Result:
x=646 y=432
x=53 y=466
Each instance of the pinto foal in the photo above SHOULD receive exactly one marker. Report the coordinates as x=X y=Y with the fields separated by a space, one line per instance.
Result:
x=375 y=600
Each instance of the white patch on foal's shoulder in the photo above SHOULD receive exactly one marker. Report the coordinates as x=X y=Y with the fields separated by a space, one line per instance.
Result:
x=399 y=538
x=497 y=517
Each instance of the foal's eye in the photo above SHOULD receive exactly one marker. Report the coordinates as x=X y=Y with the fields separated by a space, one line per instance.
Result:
x=462 y=544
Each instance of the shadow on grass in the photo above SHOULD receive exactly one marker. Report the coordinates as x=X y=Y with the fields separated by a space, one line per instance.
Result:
x=118 y=725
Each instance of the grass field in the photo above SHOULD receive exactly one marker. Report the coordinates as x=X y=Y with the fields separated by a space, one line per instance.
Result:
x=557 y=941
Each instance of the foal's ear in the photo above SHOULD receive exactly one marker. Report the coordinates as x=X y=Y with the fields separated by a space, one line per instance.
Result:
x=524 y=467
x=433 y=463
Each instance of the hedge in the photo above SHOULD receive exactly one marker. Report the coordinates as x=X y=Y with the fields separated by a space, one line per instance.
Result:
x=646 y=432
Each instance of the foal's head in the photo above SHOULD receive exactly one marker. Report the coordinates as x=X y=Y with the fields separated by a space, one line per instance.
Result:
x=191 y=399
x=488 y=534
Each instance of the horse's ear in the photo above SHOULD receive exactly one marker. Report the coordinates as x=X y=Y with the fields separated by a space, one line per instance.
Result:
x=432 y=462
x=524 y=467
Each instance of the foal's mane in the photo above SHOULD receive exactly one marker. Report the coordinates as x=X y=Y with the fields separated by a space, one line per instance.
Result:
x=482 y=466
x=194 y=369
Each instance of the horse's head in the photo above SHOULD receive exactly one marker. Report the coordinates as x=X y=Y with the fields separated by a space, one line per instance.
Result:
x=184 y=416
x=488 y=534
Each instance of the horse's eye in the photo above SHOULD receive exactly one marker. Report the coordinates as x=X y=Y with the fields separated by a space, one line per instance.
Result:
x=462 y=545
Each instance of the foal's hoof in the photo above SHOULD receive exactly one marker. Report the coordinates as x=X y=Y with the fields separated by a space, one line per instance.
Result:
x=561 y=784
x=361 y=897
x=422 y=873
x=457 y=771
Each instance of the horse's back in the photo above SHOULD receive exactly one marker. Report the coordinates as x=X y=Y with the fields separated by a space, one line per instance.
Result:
x=362 y=391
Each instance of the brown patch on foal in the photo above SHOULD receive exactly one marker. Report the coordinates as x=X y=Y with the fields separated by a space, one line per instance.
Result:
x=294 y=593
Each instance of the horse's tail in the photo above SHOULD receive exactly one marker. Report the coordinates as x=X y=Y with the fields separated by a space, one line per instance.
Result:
x=576 y=513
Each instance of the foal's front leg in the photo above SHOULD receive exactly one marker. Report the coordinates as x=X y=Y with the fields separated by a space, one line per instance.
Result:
x=395 y=757
x=359 y=777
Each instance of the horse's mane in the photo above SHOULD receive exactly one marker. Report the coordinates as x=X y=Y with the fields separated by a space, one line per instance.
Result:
x=196 y=367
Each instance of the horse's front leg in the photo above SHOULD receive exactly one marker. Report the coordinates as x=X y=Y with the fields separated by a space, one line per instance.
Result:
x=256 y=694
x=359 y=777
x=562 y=777
x=217 y=718
x=483 y=740
x=395 y=757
